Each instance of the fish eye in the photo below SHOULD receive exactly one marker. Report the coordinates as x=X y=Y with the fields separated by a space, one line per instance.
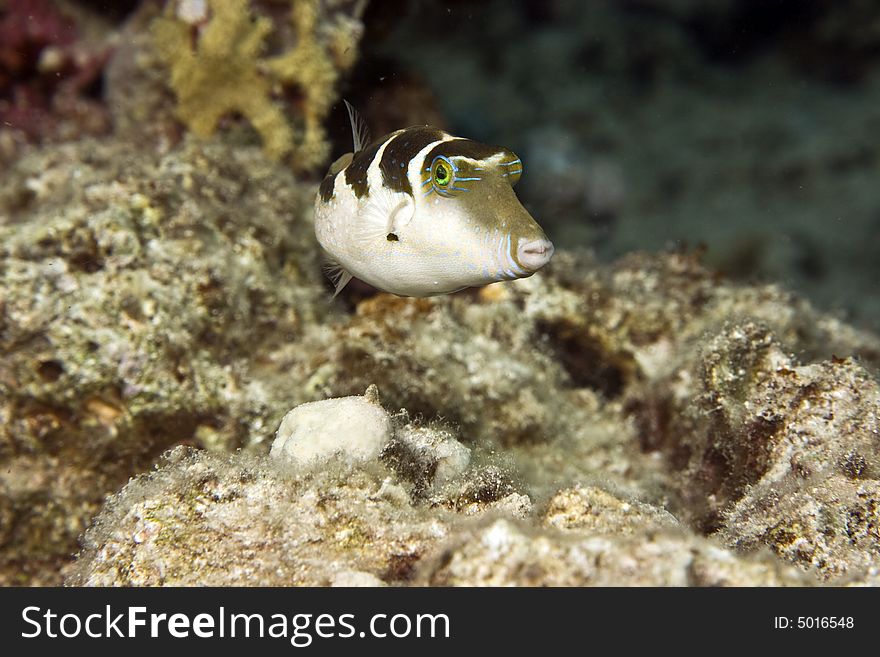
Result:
x=441 y=174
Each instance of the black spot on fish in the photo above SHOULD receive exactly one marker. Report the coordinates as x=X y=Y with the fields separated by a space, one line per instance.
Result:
x=462 y=148
x=403 y=148
x=326 y=188
x=356 y=173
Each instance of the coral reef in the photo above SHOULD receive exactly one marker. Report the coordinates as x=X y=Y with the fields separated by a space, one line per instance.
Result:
x=643 y=422
x=136 y=298
x=225 y=71
x=218 y=520
x=629 y=409
x=646 y=410
x=606 y=414
x=502 y=553
x=773 y=452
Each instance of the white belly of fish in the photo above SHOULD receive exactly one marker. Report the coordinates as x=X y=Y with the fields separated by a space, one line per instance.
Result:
x=424 y=261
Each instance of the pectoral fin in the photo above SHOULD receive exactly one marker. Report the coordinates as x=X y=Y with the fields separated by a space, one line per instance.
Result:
x=337 y=274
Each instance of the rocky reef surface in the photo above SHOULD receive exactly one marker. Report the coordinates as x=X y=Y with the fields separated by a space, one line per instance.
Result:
x=643 y=422
x=134 y=303
x=182 y=402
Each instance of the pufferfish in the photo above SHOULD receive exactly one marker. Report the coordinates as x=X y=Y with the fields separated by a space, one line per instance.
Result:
x=421 y=212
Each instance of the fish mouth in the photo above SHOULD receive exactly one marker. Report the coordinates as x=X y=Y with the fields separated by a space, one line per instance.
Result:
x=534 y=254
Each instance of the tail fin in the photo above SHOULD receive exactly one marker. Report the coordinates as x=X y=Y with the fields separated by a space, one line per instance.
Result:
x=360 y=133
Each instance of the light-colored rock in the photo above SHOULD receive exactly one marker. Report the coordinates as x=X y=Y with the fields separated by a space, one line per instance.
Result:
x=589 y=508
x=356 y=578
x=356 y=428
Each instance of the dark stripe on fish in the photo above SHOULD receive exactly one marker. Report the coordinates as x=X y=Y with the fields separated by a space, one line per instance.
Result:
x=356 y=172
x=400 y=151
x=326 y=188
x=461 y=148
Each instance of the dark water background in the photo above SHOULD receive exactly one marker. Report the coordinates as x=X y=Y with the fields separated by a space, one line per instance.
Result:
x=747 y=126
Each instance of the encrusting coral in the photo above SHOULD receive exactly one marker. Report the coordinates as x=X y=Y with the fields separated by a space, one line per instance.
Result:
x=225 y=71
x=311 y=69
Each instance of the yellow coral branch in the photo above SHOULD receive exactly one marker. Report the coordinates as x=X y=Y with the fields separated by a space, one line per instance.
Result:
x=220 y=76
x=310 y=68
x=223 y=73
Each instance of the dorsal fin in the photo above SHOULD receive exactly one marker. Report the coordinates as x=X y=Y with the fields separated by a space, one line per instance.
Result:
x=360 y=133
x=340 y=164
